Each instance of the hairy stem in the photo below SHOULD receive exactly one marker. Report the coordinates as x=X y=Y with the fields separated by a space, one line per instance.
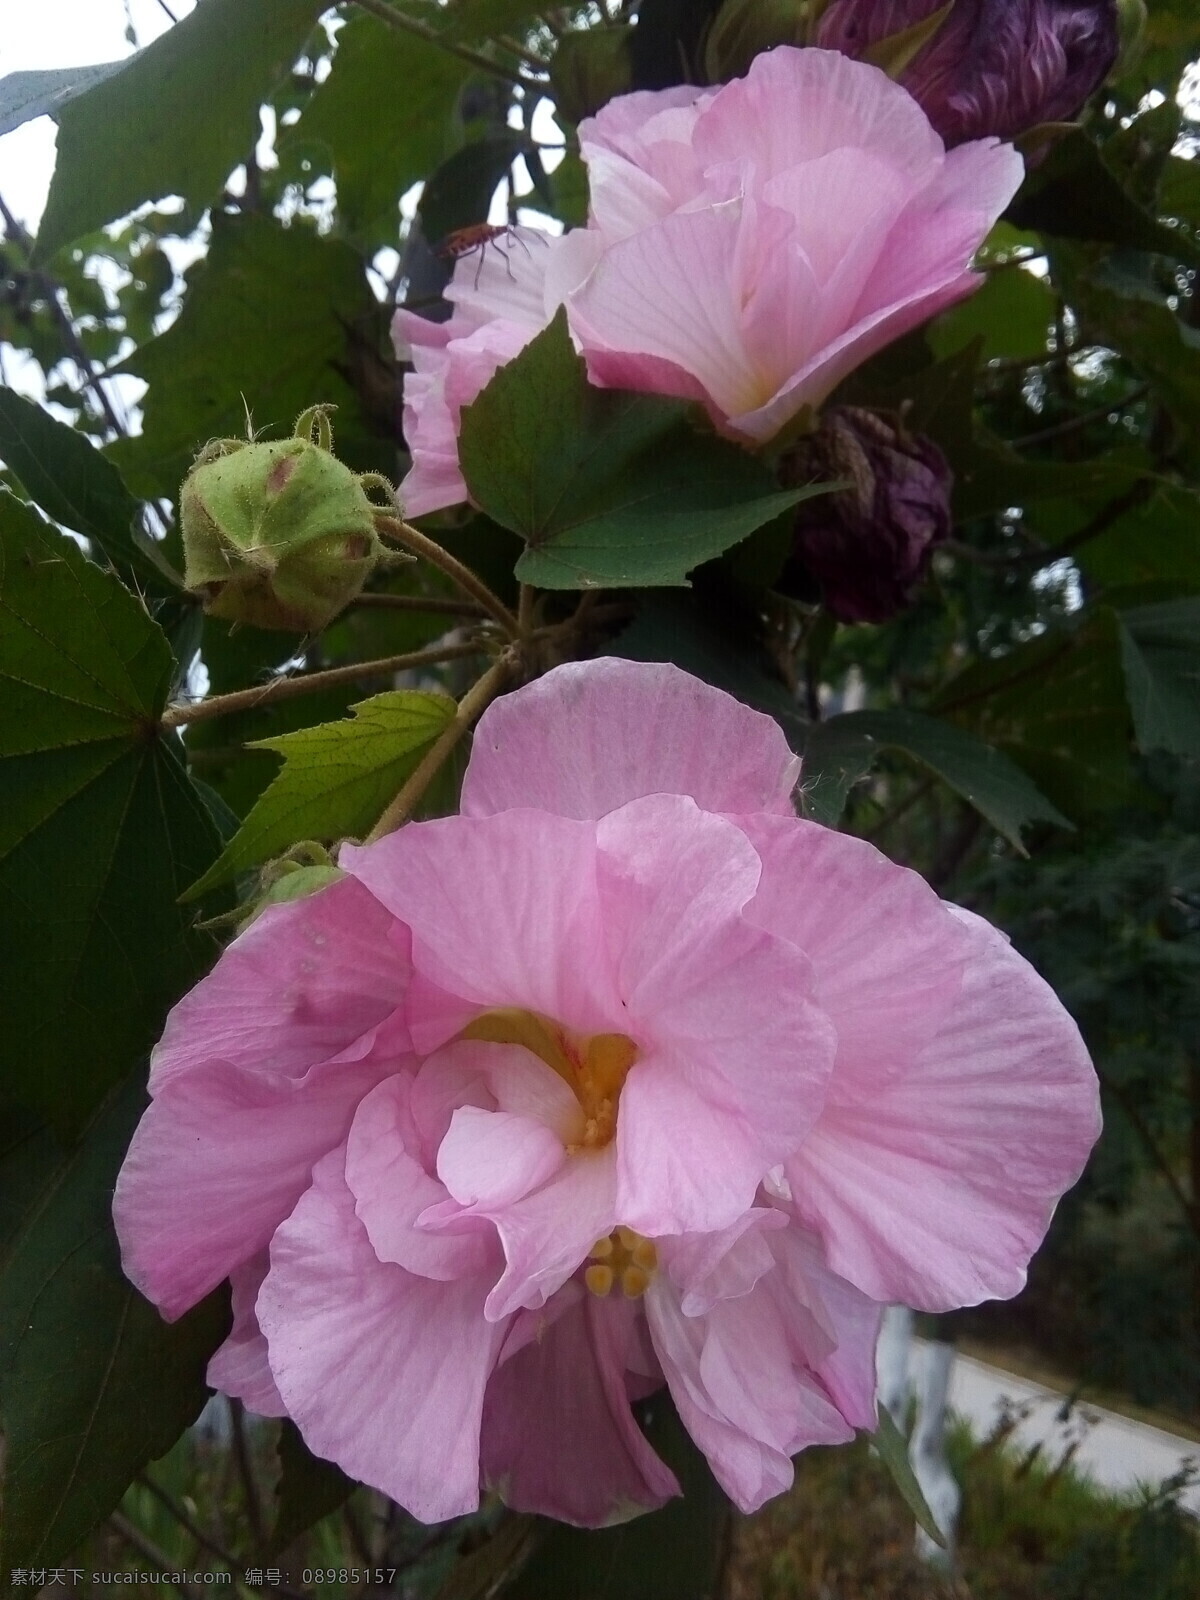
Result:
x=403 y=534
x=420 y=602
x=422 y=30
x=472 y=704
x=224 y=705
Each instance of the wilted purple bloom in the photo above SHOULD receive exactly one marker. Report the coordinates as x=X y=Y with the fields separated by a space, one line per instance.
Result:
x=868 y=546
x=994 y=66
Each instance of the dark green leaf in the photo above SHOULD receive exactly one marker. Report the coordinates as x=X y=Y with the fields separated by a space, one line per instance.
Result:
x=264 y=325
x=309 y=1488
x=982 y=775
x=1057 y=707
x=1158 y=542
x=672 y=1554
x=607 y=489
x=176 y=120
x=1012 y=313
x=382 y=117
x=100 y=829
x=836 y=757
x=65 y=474
x=337 y=779
x=93 y=1383
x=1160 y=649
x=460 y=191
x=484 y=19
x=1073 y=194
x=25 y=95
x=893 y=1452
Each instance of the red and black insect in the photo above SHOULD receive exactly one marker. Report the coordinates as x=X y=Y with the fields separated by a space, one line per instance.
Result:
x=476 y=239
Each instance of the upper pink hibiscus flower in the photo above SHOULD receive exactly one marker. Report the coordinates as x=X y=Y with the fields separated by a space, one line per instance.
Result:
x=623 y=1076
x=747 y=248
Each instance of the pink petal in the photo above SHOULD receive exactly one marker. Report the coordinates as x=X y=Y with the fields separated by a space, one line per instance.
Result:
x=239 y=1368
x=707 y=1267
x=559 y=1438
x=391 y=1189
x=548 y=1235
x=303 y=982
x=736 y=1053
x=503 y=912
x=591 y=735
x=383 y=1372
x=934 y=1185
x=490 y=1159
x=217 y=1162
x=887 y=955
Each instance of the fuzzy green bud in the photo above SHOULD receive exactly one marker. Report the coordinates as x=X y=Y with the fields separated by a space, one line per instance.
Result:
x=281 y=535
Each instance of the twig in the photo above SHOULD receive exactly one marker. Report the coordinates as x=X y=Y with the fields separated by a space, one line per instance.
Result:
x=422 y=30
x=902 y=808
x=224 y=705
x=1190 y=1208
x=519 y=50
x=241 y=1454
x=404 y=534
x=163 y=6
x=1045 y=555
x=204 y=1540
x=148 y=1550
x=420 y=602
x=470 y=706
x=1074 y=424
x=525 y=602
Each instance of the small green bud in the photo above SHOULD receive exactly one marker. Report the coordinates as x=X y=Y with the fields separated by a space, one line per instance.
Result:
x=743 y=29
x=589 y=69
x=280 y=535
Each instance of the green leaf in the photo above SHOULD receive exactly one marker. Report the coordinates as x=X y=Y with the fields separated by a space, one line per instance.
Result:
x=460 y=191
x=65 y=474
x=100 y=828
x=843 y=748
x=671 y=1554
x=336 y=780
x=93 y=1383
x=607 y=489
x=309 y=1488
x=893 y=1452
x=264 y=326
x=1056 y=705
x=1074 y=194
x=484 y=19
x=1012 y=313
x=1158 y=542
x=1160 y=650
x=25 y=95
x=176 y=120
x=382 y=117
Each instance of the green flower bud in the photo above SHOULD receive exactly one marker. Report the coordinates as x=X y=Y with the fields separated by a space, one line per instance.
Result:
x=589 y=69
x=280 y=535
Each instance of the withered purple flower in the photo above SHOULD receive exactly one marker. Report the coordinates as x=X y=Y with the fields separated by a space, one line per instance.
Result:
x=868 y=546
x=994 y=66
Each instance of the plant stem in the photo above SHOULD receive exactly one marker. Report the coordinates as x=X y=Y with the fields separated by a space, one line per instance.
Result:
x=525 y=600
x=420 y=545
x=241 y=1452
x=422 y=30
x=148 y=1550
x=224 y=705
x=420 y=602
x=469 y=707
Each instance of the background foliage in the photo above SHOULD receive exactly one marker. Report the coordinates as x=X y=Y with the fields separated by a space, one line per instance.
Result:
x=233 y=217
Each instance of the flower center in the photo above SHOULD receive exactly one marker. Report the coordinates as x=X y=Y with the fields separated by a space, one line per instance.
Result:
x=624 y=1257
x=593 y=1068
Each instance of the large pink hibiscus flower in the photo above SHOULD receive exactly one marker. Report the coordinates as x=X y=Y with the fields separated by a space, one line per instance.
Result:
x=624 y=1076
x=747 y=247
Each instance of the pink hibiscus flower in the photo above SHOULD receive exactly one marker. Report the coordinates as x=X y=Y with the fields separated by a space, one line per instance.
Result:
x=747 y=248
x=624 y=1076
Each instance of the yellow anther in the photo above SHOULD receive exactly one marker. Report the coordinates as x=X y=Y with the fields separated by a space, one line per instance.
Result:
x=593 y=1068
x=645 y=1255
x=626 y=1257
x=599 y=1280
